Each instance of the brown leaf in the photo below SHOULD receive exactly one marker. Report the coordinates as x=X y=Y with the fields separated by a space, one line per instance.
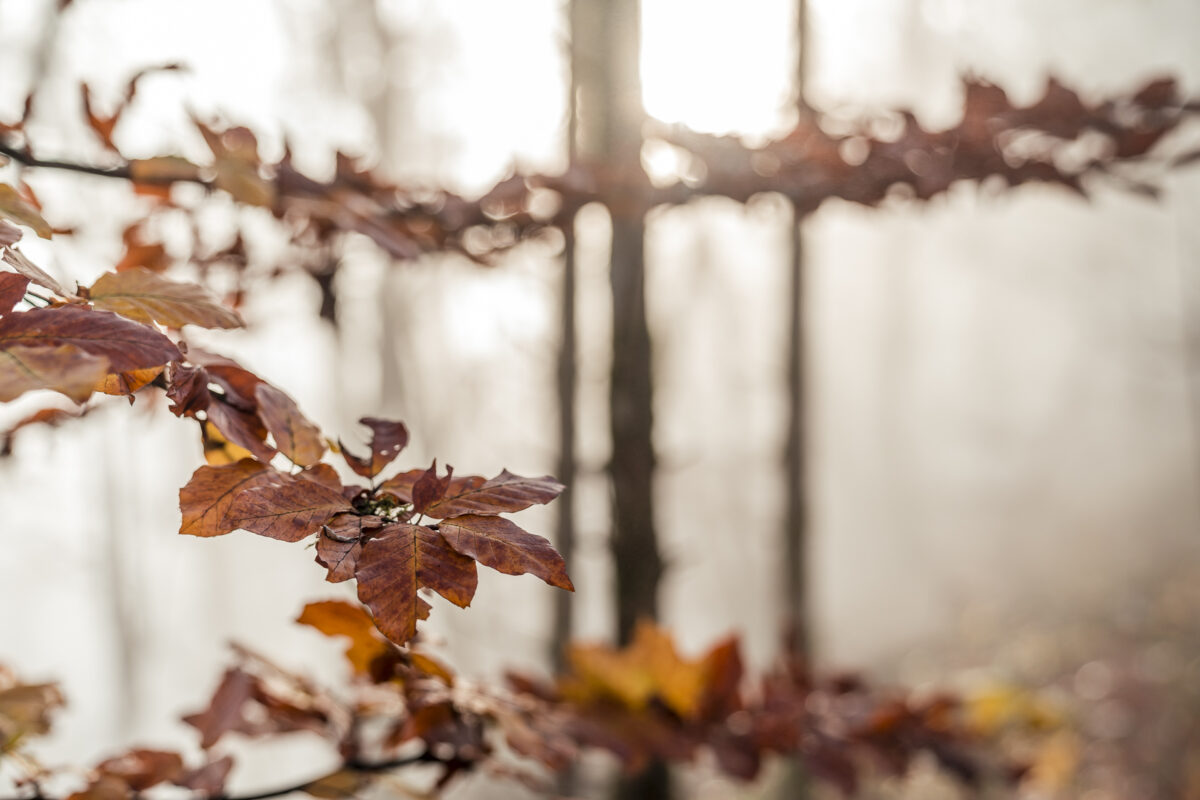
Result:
x=64 y=369
x=339 y=618
x=209 y=779
x=12 y=290
x=25 y=711
x=141 y=769
x=9 y=234
x=128 y=346
x=401 y=486
x=497 y=543
x=240 y=427
x=224 y=712
x=339 y=785
x=45 y=416
x=387 y=440
x=206 y=499
x=287 y=511
x=187 y=389
x=19 y=210
x=236 y=381
x=162 y=170
x=295 y=436
x=17 y=260
x=105 y=787
x=323 y=474
x=138 y=253
x=341 y=542
x=429 y=488
x=394 y=565
x=141 y=295
x=504 y=493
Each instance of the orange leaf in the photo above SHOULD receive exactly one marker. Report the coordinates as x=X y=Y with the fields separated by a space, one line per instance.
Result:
x=339 y=618
x=288 y=511
x=295 y=436
x=207 y=497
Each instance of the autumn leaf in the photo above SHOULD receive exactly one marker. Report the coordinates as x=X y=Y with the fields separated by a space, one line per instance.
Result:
x=392 y=567
x=341 y=542
x=502 y=494
x=12 y=290
x=429 y=488
x=64 y=369
x=339 y=618
x=25 y=711
x=217 y=449
x=497 y=543
x=295 y=436
x=240 y=427
x=288 y=511
x=387 y=440
x=126 y=383
x=236 y=381
x=187 y=389
x=127 y=345
x=339 y=785
x=401 y=486
x=208 y=779
x=16 y=208
x=141 y=769
x=162 y=170
x=17 y=260
x=9 y=234
x=224 y=712
x=206 y=499
x=141 y=295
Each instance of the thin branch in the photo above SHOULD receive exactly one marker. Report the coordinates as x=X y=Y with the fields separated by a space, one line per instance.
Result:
x=28 y=159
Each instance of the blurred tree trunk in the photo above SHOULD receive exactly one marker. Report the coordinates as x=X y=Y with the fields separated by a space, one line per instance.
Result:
x=606 y=40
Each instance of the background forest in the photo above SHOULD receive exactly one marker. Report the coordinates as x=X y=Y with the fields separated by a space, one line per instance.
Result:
x=997 y=469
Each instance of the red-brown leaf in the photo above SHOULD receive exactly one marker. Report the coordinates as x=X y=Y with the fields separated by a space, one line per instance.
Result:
x=340 y=544
x=206 y=499
x=63 y=368
x=224 y=712
x=187 y=389
x=295 y=436
x=394 y=565
x=401 y=486
x=127 y=345
x=497 y=543
x=209 y=779
x=387 y=440
x=429 y=488
x=12 y=289
x=141 y=769
x=502 y=494
x=287 y=511
x=240 y=427
x=142 y=295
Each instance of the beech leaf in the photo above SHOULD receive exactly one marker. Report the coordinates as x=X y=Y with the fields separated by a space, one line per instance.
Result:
x=127 y=345
x=224 y=712
x=502 y=494
x=288 y=511
x=207 y=497
x=19 y=210
x=12 y=290
x=391 y=568
x=64 y=369
x=141 y=769
x=295 y=436
x=17 y=260
x=144 y=296
x=387 y=440
x=240 y=427
x=339 y=618
x=500 y=544
x=341 y=542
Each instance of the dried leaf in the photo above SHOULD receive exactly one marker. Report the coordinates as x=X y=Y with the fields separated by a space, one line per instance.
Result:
x=387 y=440
x=339 y=618
x=497 y=543
x=341 y=542
x=295 y=436
x=12 y=290
x=19 y=210
x=224 y=712
x=17 y=260
x=209 y=779
x=504 y=493
x=126 y=383
x=429 y=488
x=206 y=499
x=288 y=511
x=240 y=427
x=141 y=295
x=128 y=346
x=9 y=234
x=64 y=369
x=391 y=568
x=344 y=783
x=141 y=769
x=219 y=451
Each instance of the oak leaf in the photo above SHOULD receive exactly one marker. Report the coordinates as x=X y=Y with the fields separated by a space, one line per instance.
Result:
x=127 y=345
x=289 y=510
x=206 y=499
x=500 y=544
x=502 y=494
x=295 y=436
x=142 y=295
x=64 y=369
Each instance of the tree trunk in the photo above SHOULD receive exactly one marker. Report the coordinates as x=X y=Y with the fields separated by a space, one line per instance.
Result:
x=606 y=39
